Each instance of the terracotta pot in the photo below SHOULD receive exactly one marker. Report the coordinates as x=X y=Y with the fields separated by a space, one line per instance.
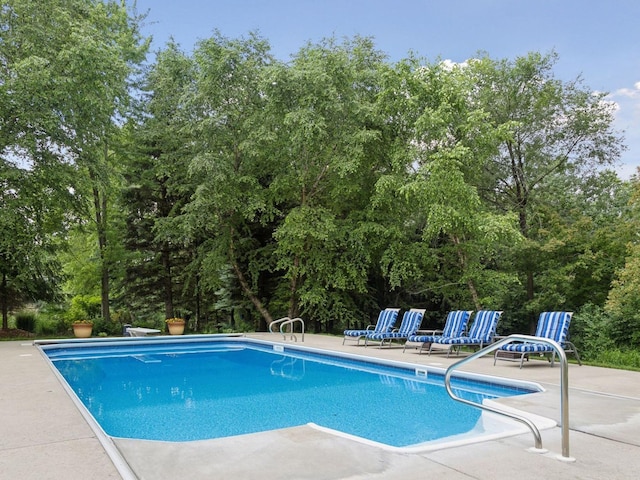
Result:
x=176 y=328
x=82 y=330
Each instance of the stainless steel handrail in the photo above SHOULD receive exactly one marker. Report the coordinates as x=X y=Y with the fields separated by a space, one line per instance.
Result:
x=276 y=322
x=291 y=322
x=564 y=388
x=288 y=321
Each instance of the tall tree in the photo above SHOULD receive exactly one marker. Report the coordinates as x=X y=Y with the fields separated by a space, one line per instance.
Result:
x=447 y=239
x=158 y=186
x=29 y=222
x=326 y=145
x=552 y=128
x=623 y=301
x=66 y=65
x=222 y=219
x=104 y=50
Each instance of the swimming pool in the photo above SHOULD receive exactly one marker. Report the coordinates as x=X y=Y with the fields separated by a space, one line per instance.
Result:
x=188 y=389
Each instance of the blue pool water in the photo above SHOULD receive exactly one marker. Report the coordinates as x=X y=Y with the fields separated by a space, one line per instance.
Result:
x=204 y=390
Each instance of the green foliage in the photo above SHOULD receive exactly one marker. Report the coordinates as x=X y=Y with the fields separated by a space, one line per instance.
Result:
x=623 y=303
x=64 y=81
x=553 y=138
x=47 y=327
x=596 y=334
x=628 y=359
x=52 y=319
x=108 y=328
x=84 y=307
x=29 y=270
x=591 y=331
x=328 y=187
x=26 y=321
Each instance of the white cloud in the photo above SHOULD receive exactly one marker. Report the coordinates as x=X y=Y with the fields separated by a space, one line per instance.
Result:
x=628 y=92
x=627 y=119
x=449 y=64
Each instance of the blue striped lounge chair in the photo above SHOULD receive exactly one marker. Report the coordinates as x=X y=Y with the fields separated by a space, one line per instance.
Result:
x=386 y=321
x=552 y=326
x=481 y=333
x=411 y=321
x=455 y=324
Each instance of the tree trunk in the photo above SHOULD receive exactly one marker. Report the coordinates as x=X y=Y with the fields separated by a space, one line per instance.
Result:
x=463 y=265
x=246 y=288
x=522 y=199
x=196 y=325
x=100 y=205
x=251 y=295
x=4 y=298
x=293 y=291
x=167 y=283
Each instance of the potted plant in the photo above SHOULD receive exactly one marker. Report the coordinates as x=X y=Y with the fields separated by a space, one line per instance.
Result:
x=175 y=325
x=82 y=328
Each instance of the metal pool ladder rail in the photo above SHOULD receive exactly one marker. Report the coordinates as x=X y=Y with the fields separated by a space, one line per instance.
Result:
x=288 y=321
x=564 y=390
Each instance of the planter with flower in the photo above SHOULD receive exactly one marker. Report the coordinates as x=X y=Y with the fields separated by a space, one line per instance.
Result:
x=175 y=325
x=82 y=328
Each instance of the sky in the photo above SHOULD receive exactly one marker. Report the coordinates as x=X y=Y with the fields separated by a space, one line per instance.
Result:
x=597 y=40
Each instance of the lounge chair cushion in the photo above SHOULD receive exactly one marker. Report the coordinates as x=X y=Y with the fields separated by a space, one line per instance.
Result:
x=551 y=325
x=453 y=327
x=386 y=320
x=410 y=323
x=481 y=332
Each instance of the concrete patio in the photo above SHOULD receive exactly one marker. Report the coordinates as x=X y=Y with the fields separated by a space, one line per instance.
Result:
x=43 y=435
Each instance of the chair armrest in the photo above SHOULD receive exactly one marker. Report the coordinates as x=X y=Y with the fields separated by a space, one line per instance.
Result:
x=428 y=332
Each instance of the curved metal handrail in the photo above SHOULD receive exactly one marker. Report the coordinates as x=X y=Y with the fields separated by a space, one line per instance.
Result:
x=276 y=322
x=564 y=389
x=288 y=321
x=291 y=322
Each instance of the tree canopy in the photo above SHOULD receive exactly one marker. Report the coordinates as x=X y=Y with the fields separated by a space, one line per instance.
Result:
x=231 y=188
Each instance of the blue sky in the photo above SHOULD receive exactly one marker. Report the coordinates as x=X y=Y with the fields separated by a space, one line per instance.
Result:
x=598 y=40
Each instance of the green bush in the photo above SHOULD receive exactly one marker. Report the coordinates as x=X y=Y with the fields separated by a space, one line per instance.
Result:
x=591 y=331
x=47 y=327
x=26 y=321
x=84 y=307
x=628 y=359
x=112 y=328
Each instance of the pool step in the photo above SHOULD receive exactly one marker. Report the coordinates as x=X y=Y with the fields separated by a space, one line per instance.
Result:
x=147 y=358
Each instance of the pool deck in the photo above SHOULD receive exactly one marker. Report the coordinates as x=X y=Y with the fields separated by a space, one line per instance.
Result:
x=43 y=435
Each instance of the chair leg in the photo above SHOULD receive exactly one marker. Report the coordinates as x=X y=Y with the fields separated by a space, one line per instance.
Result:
x=575 y=352
x=572 y=349
x=522 y=359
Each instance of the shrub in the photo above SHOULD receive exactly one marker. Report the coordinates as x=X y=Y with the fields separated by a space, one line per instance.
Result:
x=46 y=327
x=619 y=358
x=591 y=331
x=623 y=302
x=84 y=307
x=112 y=328
x=26 y=321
